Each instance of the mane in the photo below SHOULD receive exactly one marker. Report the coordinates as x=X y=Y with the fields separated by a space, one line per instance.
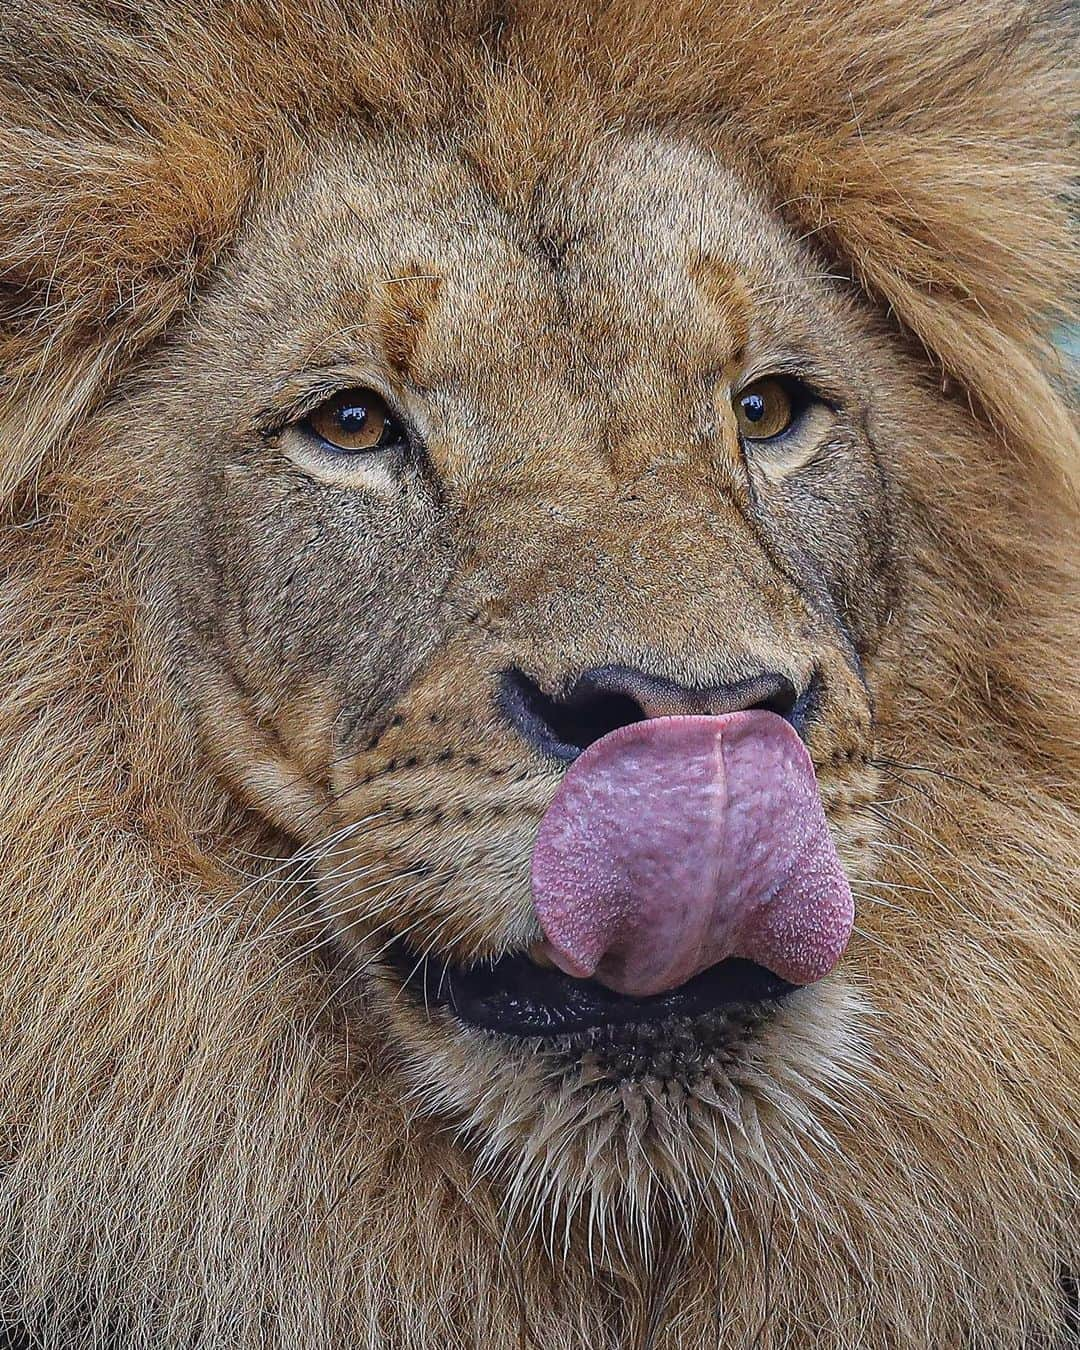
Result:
x=922 y=151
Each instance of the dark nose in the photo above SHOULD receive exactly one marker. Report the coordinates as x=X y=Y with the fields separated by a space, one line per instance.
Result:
x=608 y=697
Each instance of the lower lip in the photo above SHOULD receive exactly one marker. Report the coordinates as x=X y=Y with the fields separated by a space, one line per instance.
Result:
x=517 y=997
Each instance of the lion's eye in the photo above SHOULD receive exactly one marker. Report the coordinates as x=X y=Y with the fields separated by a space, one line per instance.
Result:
x=356 y=421
x=765 y=409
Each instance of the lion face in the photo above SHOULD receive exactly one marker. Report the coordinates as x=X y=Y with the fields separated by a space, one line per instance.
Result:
x=450 y=488
x=487 y=489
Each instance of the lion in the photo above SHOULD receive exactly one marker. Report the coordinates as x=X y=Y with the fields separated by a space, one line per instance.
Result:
x=539 y=781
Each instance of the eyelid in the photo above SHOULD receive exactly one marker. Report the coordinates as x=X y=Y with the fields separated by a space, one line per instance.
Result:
x=815 y=382
x=302 y=394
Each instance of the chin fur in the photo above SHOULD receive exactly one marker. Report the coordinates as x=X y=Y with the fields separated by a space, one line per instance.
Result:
x=579 y=1146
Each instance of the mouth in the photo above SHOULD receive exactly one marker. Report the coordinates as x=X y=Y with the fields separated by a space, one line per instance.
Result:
x=684 y=881
x=515 y=996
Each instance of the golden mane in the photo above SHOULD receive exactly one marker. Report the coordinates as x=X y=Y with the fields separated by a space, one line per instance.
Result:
x=193 y=1160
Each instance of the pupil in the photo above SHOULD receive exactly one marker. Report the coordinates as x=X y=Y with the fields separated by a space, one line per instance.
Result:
x=754 y=407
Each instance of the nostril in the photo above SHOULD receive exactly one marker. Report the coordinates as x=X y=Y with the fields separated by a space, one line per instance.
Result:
x=609 y=697
x=593 y=713
x=777 y=695
x=563 y=727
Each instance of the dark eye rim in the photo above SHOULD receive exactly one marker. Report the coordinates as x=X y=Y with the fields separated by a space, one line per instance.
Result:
x=401 y=439
x=800 y=394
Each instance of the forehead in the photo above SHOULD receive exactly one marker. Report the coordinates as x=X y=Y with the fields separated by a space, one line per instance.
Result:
x=643 y=254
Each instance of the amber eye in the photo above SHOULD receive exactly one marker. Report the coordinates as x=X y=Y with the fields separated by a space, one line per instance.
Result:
x=356 y=421
x=764 y=409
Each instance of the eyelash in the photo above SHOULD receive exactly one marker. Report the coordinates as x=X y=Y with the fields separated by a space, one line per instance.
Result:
x=271 y=422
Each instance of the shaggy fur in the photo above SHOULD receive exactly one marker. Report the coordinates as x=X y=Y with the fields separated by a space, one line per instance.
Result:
x=208 y=1138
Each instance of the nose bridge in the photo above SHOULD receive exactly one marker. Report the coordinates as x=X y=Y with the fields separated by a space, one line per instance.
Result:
x=639 y=575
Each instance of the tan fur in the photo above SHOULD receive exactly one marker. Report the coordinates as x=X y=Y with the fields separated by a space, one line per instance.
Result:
x=218 y=1129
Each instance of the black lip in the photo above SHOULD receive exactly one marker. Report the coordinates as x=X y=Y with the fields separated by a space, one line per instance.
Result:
x=517 y=997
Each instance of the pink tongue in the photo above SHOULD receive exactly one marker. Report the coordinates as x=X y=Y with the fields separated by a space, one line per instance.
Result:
x=676 y=842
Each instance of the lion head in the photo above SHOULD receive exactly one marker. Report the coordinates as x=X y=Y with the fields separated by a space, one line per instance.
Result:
x=540 y=796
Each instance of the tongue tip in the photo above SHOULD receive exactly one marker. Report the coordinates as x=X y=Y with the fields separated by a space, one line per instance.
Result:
x=804 y=970
x=804 y=954
x=570 y=963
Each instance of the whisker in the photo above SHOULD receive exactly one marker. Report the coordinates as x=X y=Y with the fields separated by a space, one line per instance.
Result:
x=900 y=767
